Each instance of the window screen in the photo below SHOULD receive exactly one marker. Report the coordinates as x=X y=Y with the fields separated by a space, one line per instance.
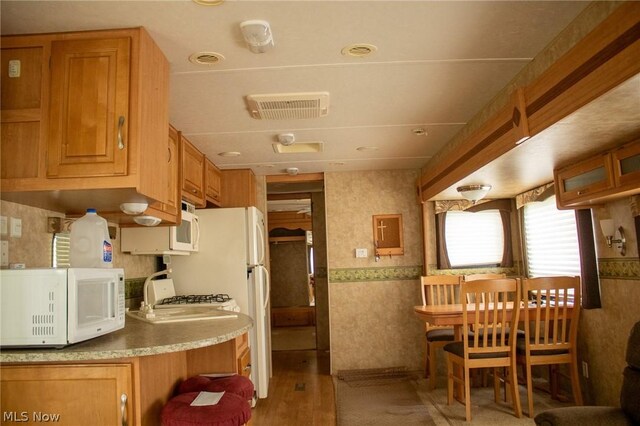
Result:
x=474 y=239
x=551 y=240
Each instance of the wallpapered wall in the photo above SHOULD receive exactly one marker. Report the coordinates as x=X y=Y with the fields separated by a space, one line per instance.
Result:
x=609 y=326
x=371 y=303
x=34 y=247
x=289 y=274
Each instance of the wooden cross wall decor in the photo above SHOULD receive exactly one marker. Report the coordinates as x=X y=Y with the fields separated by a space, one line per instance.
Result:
x=387 y=235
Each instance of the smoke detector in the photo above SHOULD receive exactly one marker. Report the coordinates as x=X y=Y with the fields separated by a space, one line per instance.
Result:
x=286 y=139
x=291 y=171
x=288 y=106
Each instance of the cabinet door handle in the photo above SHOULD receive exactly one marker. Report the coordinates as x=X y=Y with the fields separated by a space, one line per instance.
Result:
x=169 y=155
x=123 y=408
x=120 y=125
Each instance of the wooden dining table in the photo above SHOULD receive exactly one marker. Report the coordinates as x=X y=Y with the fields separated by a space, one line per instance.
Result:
x=451 y=315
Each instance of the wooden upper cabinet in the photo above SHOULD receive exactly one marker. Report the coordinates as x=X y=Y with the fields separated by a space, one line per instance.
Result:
x=626 y=165
x=213 y=181
x=608 y=175
x=169 y=210
x=238 y=188
x=89 y=108
x=84 y=122
x=21 y=111
x=193 y=172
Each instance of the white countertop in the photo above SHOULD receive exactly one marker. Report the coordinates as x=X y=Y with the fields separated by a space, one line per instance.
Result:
x=139 y=338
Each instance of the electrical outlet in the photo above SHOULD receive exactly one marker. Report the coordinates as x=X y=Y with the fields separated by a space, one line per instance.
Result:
x=4 y=254
x=585 y=369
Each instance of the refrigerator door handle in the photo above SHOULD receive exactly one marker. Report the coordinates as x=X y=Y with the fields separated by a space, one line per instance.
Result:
x=267 y=286
x=261 y=244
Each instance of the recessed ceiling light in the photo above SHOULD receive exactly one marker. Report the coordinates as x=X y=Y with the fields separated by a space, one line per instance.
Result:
x=206 y=58
x=337 y=163
x=359 y=50
x=266 y=166
x=209 y=2
x=367 y=148
x=229 y=154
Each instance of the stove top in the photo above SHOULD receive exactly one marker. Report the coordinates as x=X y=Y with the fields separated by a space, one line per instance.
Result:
x=195 y=299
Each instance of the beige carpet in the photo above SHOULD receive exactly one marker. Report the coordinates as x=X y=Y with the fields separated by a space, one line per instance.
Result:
x=293 y=338
x=379 y=397
x=402 y=398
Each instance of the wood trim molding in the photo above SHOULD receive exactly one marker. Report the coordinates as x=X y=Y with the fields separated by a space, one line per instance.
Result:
x=602 y=60
x=303 y=177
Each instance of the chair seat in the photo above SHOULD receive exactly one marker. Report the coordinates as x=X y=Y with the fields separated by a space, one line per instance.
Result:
x=521 y=349
x=499 y=332
x=440 y=335
x=457 y=348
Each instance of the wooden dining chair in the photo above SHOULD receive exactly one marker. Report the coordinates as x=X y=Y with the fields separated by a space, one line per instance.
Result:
x=438 y=290
x=475 y=277
x=551 y=330
x=490 y=349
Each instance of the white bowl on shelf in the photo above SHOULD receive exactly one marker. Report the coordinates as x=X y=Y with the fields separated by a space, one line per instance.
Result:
x=147 y=220
x=133 y=208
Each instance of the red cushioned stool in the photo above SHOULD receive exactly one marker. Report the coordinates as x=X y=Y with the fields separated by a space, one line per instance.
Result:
x=231 y=410
x=237 y=384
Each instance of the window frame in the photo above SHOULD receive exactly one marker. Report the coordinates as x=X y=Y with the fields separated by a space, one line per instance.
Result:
x=505 y=207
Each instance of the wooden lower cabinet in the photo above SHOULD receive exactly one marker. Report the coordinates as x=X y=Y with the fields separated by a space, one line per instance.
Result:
x=92 y=392
x=97 y=394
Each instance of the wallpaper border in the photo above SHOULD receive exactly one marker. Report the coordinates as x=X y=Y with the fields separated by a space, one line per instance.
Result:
x=390 y=273
x=619 y=268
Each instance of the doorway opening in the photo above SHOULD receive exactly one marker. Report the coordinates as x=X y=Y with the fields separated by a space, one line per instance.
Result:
x=297 y=256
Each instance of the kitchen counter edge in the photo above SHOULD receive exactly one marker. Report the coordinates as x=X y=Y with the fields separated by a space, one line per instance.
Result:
x=138 y=338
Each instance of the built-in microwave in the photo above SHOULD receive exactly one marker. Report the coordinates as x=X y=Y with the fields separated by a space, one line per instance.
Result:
x=57 y=307
x=179 y=239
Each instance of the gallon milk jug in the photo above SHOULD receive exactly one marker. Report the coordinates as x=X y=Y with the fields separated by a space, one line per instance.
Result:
x=90 y=242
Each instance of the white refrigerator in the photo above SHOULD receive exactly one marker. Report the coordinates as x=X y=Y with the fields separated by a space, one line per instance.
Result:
x=231 y=260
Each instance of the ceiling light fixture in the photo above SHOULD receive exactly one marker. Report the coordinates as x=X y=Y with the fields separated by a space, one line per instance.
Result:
x=229 y=154
x=209 y=2
x=292 y=171
x=419 y=131
x=367 y=148
x=257 y=34
x=359 y=50
x=206 y=58
x=473 y=193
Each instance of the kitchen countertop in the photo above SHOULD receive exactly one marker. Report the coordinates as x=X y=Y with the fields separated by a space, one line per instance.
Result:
x=139 y=338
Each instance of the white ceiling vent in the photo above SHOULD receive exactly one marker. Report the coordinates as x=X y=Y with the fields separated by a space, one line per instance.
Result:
x=288 y=106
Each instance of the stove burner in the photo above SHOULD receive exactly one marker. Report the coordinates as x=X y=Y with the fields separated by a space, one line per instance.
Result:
x=195 y=298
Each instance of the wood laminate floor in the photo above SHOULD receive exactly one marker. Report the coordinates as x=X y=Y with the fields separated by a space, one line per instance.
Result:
x=300 y=391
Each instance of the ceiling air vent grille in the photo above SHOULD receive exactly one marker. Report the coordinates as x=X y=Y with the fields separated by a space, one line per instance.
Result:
x=289 y=106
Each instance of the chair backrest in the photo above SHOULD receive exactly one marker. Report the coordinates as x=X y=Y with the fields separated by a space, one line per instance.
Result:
x=550 y=322
x=504 y=310
x=474 y=277
x=440 y=289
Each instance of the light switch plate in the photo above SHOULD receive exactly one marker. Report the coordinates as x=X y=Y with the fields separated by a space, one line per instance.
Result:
x=361 y=252
x=16 y=227
x=4 y=254
x=4 y=226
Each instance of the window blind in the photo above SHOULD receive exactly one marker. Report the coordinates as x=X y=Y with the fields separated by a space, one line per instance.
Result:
x=61 y=250
x=551 y=240
x=474 y=239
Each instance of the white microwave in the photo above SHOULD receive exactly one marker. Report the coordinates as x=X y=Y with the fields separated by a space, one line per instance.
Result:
x=179 y=239
x=57 y=307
